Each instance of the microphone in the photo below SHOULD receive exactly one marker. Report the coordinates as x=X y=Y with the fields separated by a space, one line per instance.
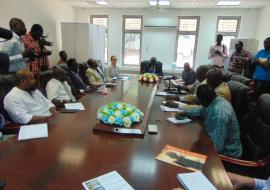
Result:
x=6 y=34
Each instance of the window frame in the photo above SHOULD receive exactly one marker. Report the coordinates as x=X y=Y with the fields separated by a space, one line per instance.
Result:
x=196 y=33
x=238 y=18
x=91 y=19
x=131 y=32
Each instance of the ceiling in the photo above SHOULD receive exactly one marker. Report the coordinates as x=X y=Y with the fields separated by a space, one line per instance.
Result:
x=174 y=3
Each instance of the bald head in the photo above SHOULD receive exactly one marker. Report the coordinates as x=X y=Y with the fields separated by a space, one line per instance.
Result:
x=17 y=26
x=26 y=80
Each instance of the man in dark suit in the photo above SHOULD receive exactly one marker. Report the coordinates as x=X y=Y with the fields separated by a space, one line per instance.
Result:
x=75 y=77
x=154 y=67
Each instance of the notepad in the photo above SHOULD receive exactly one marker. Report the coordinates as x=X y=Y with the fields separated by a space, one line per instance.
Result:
x=109 y=181
x=168 y=109
x=33 y=131
x=195 y=181
x=180 y=121
x=74 y=106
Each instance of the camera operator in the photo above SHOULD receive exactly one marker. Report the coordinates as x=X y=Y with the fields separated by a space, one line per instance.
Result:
x=35 y=40
x=14 y=47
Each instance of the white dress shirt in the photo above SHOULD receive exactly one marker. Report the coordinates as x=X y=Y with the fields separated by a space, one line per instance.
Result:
x=218 y=59
x=59 y=90
x=22 y=106
x=14 y=48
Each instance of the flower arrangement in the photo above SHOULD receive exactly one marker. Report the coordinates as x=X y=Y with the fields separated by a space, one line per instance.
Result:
x=148 y=77
x=120 y=114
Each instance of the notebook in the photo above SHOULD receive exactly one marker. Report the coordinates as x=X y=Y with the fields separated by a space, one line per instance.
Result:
x=181 y=121
x=33 y=131
x=109 y=181
x=168 y=109
x=195 y=181
x=74 y=106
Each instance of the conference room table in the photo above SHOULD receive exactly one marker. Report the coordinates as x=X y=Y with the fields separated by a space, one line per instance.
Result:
x=74 y=152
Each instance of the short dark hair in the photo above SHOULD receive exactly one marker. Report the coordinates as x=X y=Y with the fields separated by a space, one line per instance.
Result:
x=36 y=28
x=13 y=22
x=201 y=72
x=240 y=43
x=220 y=35
x=206 y=94
x=214 y=77
x=61 y=53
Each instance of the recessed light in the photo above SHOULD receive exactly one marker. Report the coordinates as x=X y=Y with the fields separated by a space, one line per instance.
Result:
x=164 y=2
x=228 y=3
x=101 y=2
x=152 y=3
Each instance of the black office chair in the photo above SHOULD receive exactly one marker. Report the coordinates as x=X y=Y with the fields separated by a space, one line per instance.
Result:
x=45 y=76
x=255 y=136
x=244 y=80
x=4 y=63
x=239 y=98
x=227 y=76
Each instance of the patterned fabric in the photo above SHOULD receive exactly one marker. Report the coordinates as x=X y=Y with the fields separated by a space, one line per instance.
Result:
x=218 y=59
x=237 y=61
x=39 y=62
x=221 y=124
x=262 y=184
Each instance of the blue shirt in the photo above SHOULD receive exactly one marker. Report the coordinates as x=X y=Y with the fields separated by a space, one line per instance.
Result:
x=221 y=124
x=262 y=184
x=260 y=72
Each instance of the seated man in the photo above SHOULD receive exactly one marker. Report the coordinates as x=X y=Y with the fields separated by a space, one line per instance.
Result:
x=239 y=182
x=155 y=67
x=58 y=90
x=24 y=103
x=112 y=71
x=75 y=76
x=63 y=58
x=219 y=121
x=188 y=75
x=94 y=74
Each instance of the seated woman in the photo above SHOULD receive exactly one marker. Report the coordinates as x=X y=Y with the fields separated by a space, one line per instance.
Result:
x=94 y=74
x=219 y=121
x=58 y=90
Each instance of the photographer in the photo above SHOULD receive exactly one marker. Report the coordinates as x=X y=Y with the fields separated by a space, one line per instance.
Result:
x=14 y=47
x=35 y=40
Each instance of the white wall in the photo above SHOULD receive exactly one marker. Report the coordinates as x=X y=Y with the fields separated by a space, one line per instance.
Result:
x=162 y=42
x=263 y=29
x=48 y=13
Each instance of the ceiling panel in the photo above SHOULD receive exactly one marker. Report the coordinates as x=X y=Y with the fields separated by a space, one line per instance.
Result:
x=174 y=3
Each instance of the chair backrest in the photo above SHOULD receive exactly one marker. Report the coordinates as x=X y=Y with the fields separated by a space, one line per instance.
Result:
x=4 y=63
x=45 y=76
x=143 y=67
x=227 y=76
x=256 y=134
x=239 y=101
x=82 y=69
x=244 y=80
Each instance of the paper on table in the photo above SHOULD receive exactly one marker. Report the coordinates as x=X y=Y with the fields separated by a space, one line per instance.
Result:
x=176 y=121
x=109 y=181
x=75 y=106
x=168 y=109
x=195 y=181
x=163 y=94
x=124 y=78
x=33 y=131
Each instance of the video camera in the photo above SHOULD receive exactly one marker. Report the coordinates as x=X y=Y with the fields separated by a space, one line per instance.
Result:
x=43 y=42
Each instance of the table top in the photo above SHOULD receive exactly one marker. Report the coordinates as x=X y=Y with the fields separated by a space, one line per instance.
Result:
x=74 y=153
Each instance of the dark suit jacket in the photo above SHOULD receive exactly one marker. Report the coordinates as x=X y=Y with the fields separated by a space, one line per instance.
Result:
x=146 y=68
x=77 y=81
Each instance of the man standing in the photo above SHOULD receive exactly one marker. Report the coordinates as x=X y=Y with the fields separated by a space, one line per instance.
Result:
x=262 y=70
x=14 y=47
x=112 y=70
x=188 y=75
x=33 y=40
x=239 y=59
x=24 y=103
x=218 y=53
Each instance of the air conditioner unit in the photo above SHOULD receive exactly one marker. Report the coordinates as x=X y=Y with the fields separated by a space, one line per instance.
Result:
x=169 y=23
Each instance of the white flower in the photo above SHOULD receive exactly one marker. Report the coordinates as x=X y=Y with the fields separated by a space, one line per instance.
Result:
x=117 y=113
x=136 y=116
x=111 y=120
x=140 y=78
x=144 y=79
x=127 y=122
x=151 y=80
x=99 y=116
x=120 y=106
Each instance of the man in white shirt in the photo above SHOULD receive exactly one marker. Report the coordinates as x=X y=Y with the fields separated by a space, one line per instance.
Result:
x=112 y=71
x=14 y=47
x=58 y=90
x=218 y=53
x=24 y=103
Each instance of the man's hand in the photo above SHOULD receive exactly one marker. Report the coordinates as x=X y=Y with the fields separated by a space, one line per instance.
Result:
x=218 y=52
x=52 y=110
x=171 y=104
x=239 y=181
x=172 y=97
x=28 y=52
x=179 y=115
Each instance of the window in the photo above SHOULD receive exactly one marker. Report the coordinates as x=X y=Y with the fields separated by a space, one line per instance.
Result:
x=102 y=20
x=132 y=35
x=187 y=36
x=229 y=28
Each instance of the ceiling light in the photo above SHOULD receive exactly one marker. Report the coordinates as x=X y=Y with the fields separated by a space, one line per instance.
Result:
x=228 y=3
x=101 y=2
x=164 y=3
x=152 y=3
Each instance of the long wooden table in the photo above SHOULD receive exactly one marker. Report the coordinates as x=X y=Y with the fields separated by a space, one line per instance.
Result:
x=73 y=153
